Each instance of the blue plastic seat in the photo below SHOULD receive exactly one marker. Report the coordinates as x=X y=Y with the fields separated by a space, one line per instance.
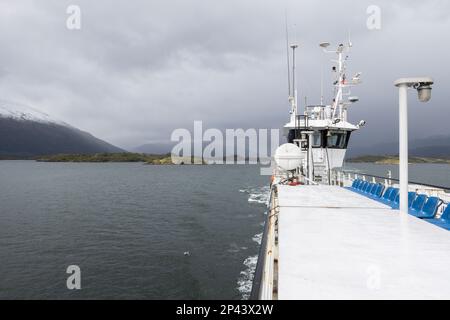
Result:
x=393 y=194
x=411 y=198
x=418 y=203
x=354 y=185
x=376 y=191
x=387 y=193
x=390 y=200
x=444 y=220
x=428 y=210
x=363 y=186
x=360 y=185
x=368 y=187
x=357 y=185
x=373 y=189
x=379 y=191
x=389 y=197
x=396 y=203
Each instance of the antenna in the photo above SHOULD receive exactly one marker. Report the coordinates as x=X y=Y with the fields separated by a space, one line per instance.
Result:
x=293 y=93
x=321 y=85
x=287 y=53
x=349 y=41
x=293 y=46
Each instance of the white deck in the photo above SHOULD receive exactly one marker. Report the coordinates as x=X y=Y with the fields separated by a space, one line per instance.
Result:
x=336 y=244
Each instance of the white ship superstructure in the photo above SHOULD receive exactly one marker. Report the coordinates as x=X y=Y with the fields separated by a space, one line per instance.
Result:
x=324 y=129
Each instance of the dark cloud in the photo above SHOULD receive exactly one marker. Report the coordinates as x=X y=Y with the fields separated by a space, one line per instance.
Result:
x=139 y=69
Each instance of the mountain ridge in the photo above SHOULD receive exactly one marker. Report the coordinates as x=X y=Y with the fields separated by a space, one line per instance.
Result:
x=26 y=132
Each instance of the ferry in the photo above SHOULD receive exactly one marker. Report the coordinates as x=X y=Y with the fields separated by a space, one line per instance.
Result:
x=336 y=234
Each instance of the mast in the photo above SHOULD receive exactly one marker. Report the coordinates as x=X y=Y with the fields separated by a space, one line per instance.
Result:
x=321 y=86
x=293 y=99
x=342 y=82
x=287 y=56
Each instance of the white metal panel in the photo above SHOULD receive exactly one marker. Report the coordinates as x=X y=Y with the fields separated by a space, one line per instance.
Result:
x=324 y=196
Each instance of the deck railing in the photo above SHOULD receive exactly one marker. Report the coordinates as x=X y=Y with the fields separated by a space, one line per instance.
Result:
x=263 y=281
x=345 y=178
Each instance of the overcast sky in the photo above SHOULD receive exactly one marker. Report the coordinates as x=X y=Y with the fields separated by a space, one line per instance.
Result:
x=136 y=70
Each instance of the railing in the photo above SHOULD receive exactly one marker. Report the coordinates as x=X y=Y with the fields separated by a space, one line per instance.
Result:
x=345 y=178
x=310 y=181
x=301 y=123
x=317 y=112
x=263 y=280
x=339 y=174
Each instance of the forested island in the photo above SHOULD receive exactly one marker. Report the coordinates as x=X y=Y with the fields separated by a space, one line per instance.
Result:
x=165 y=159
x=154 y=159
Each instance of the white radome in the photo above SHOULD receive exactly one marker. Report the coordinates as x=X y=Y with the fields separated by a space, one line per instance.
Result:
x=288 y=156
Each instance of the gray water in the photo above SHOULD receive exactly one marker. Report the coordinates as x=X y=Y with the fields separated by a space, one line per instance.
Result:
x=127 y=226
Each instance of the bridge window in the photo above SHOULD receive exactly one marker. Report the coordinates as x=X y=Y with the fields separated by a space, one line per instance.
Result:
x=337 y=140
x=317 y=139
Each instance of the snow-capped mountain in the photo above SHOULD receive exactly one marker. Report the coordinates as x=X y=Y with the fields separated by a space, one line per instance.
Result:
x=18 y=111
x=27 y=132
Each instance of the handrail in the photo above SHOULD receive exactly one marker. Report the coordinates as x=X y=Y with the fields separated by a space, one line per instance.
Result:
x=257 y=278
x=410 y=182
x=311 y=181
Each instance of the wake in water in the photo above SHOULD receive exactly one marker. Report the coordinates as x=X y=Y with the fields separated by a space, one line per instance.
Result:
x=258 y=238
x=246 y=279
x=256 y=195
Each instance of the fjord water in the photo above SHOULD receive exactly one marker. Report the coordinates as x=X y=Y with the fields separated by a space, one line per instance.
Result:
x=136 y=231
x=128 y=227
